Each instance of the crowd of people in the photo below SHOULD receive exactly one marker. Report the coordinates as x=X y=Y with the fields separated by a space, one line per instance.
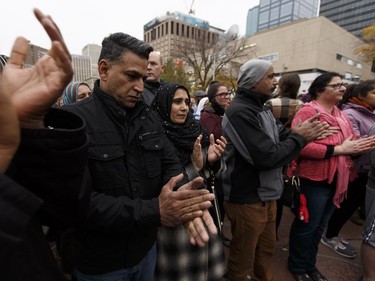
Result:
x=142 y=180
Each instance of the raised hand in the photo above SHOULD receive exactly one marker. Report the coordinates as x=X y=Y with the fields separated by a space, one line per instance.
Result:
x=34 y=90
x=9 y=129
x=197 y=155
x=216 y=150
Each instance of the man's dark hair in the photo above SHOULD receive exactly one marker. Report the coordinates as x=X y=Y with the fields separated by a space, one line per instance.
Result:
x=320 y=82
x=115 y=45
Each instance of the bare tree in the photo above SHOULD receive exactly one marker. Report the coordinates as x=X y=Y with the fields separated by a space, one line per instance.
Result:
x=207 y=56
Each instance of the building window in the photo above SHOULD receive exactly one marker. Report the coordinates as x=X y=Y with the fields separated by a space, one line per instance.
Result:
x=348 y=75
x=183 y=30
x=359 y=65
x=270 y=57
x=350 y=62
x=286 y=10
x=172 y=27
x=162 y=30
x=153 y=34
x=177 y=28
x=263 y=17
x=166 y=28
x=274 y=13
x=187 y=31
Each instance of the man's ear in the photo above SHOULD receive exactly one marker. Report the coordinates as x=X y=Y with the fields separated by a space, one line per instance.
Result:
x=103 y=69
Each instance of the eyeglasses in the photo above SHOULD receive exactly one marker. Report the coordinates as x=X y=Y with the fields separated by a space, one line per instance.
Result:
x=336 y=86
x=223 y=95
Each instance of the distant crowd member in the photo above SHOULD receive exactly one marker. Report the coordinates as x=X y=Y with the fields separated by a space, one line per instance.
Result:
x=212 y=115
x=255 y=154
x=283 y=108
x=74 y=92
x=134 y=171
x=155 y=69
x=358 y=104
x=203 y=103
x=368 y=239
x=211 y=118
x=325 y=168
x=286 y=104
x=198 y=96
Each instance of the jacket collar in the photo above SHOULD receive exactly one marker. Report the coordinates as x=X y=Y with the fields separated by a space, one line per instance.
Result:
x=254 y=97
x=116 y=110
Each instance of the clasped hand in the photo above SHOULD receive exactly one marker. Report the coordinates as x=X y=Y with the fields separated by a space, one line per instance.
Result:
x=186 y=204
x=312 y=129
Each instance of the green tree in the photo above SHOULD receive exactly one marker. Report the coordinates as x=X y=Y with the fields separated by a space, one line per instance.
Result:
x=367 y=51
x=174 y=72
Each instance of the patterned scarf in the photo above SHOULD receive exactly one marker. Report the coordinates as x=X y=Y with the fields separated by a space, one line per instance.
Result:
x=344 y=163
x=182 y=136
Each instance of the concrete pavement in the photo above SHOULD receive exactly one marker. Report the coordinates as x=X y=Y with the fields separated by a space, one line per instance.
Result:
x=332 y=265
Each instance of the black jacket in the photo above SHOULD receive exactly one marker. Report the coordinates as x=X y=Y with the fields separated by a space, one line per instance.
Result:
x=256 y=151
x=130 y=159
x=44 y=185
x=150 y=91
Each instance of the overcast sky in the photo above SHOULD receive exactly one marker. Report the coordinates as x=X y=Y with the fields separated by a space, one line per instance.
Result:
x=85 y=22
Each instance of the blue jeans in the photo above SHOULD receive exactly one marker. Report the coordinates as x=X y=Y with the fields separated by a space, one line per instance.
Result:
x=144 y=271
x=304 y=238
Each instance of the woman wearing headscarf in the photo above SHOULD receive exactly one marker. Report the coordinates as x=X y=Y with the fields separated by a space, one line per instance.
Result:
x=201 y=105
x=74 y=92
x=177 y=258
x=325 y=168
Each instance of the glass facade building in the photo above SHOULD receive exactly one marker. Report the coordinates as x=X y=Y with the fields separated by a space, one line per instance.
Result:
x=252 y=21
x=273 y=13
x=276 y=12
x=352 y=15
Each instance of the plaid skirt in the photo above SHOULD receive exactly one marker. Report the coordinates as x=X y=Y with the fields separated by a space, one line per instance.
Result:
x=178 y=260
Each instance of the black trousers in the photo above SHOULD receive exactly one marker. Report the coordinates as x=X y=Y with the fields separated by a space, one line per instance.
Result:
x=355 y=198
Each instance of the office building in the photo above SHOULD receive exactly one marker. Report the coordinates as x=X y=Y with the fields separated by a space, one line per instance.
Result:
x=34 y=53
x=93 y=52
x=352 y=15
x=169 y=34
x=273 y=13
x=252 y=21
x=310 y=47
x=82 y=68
